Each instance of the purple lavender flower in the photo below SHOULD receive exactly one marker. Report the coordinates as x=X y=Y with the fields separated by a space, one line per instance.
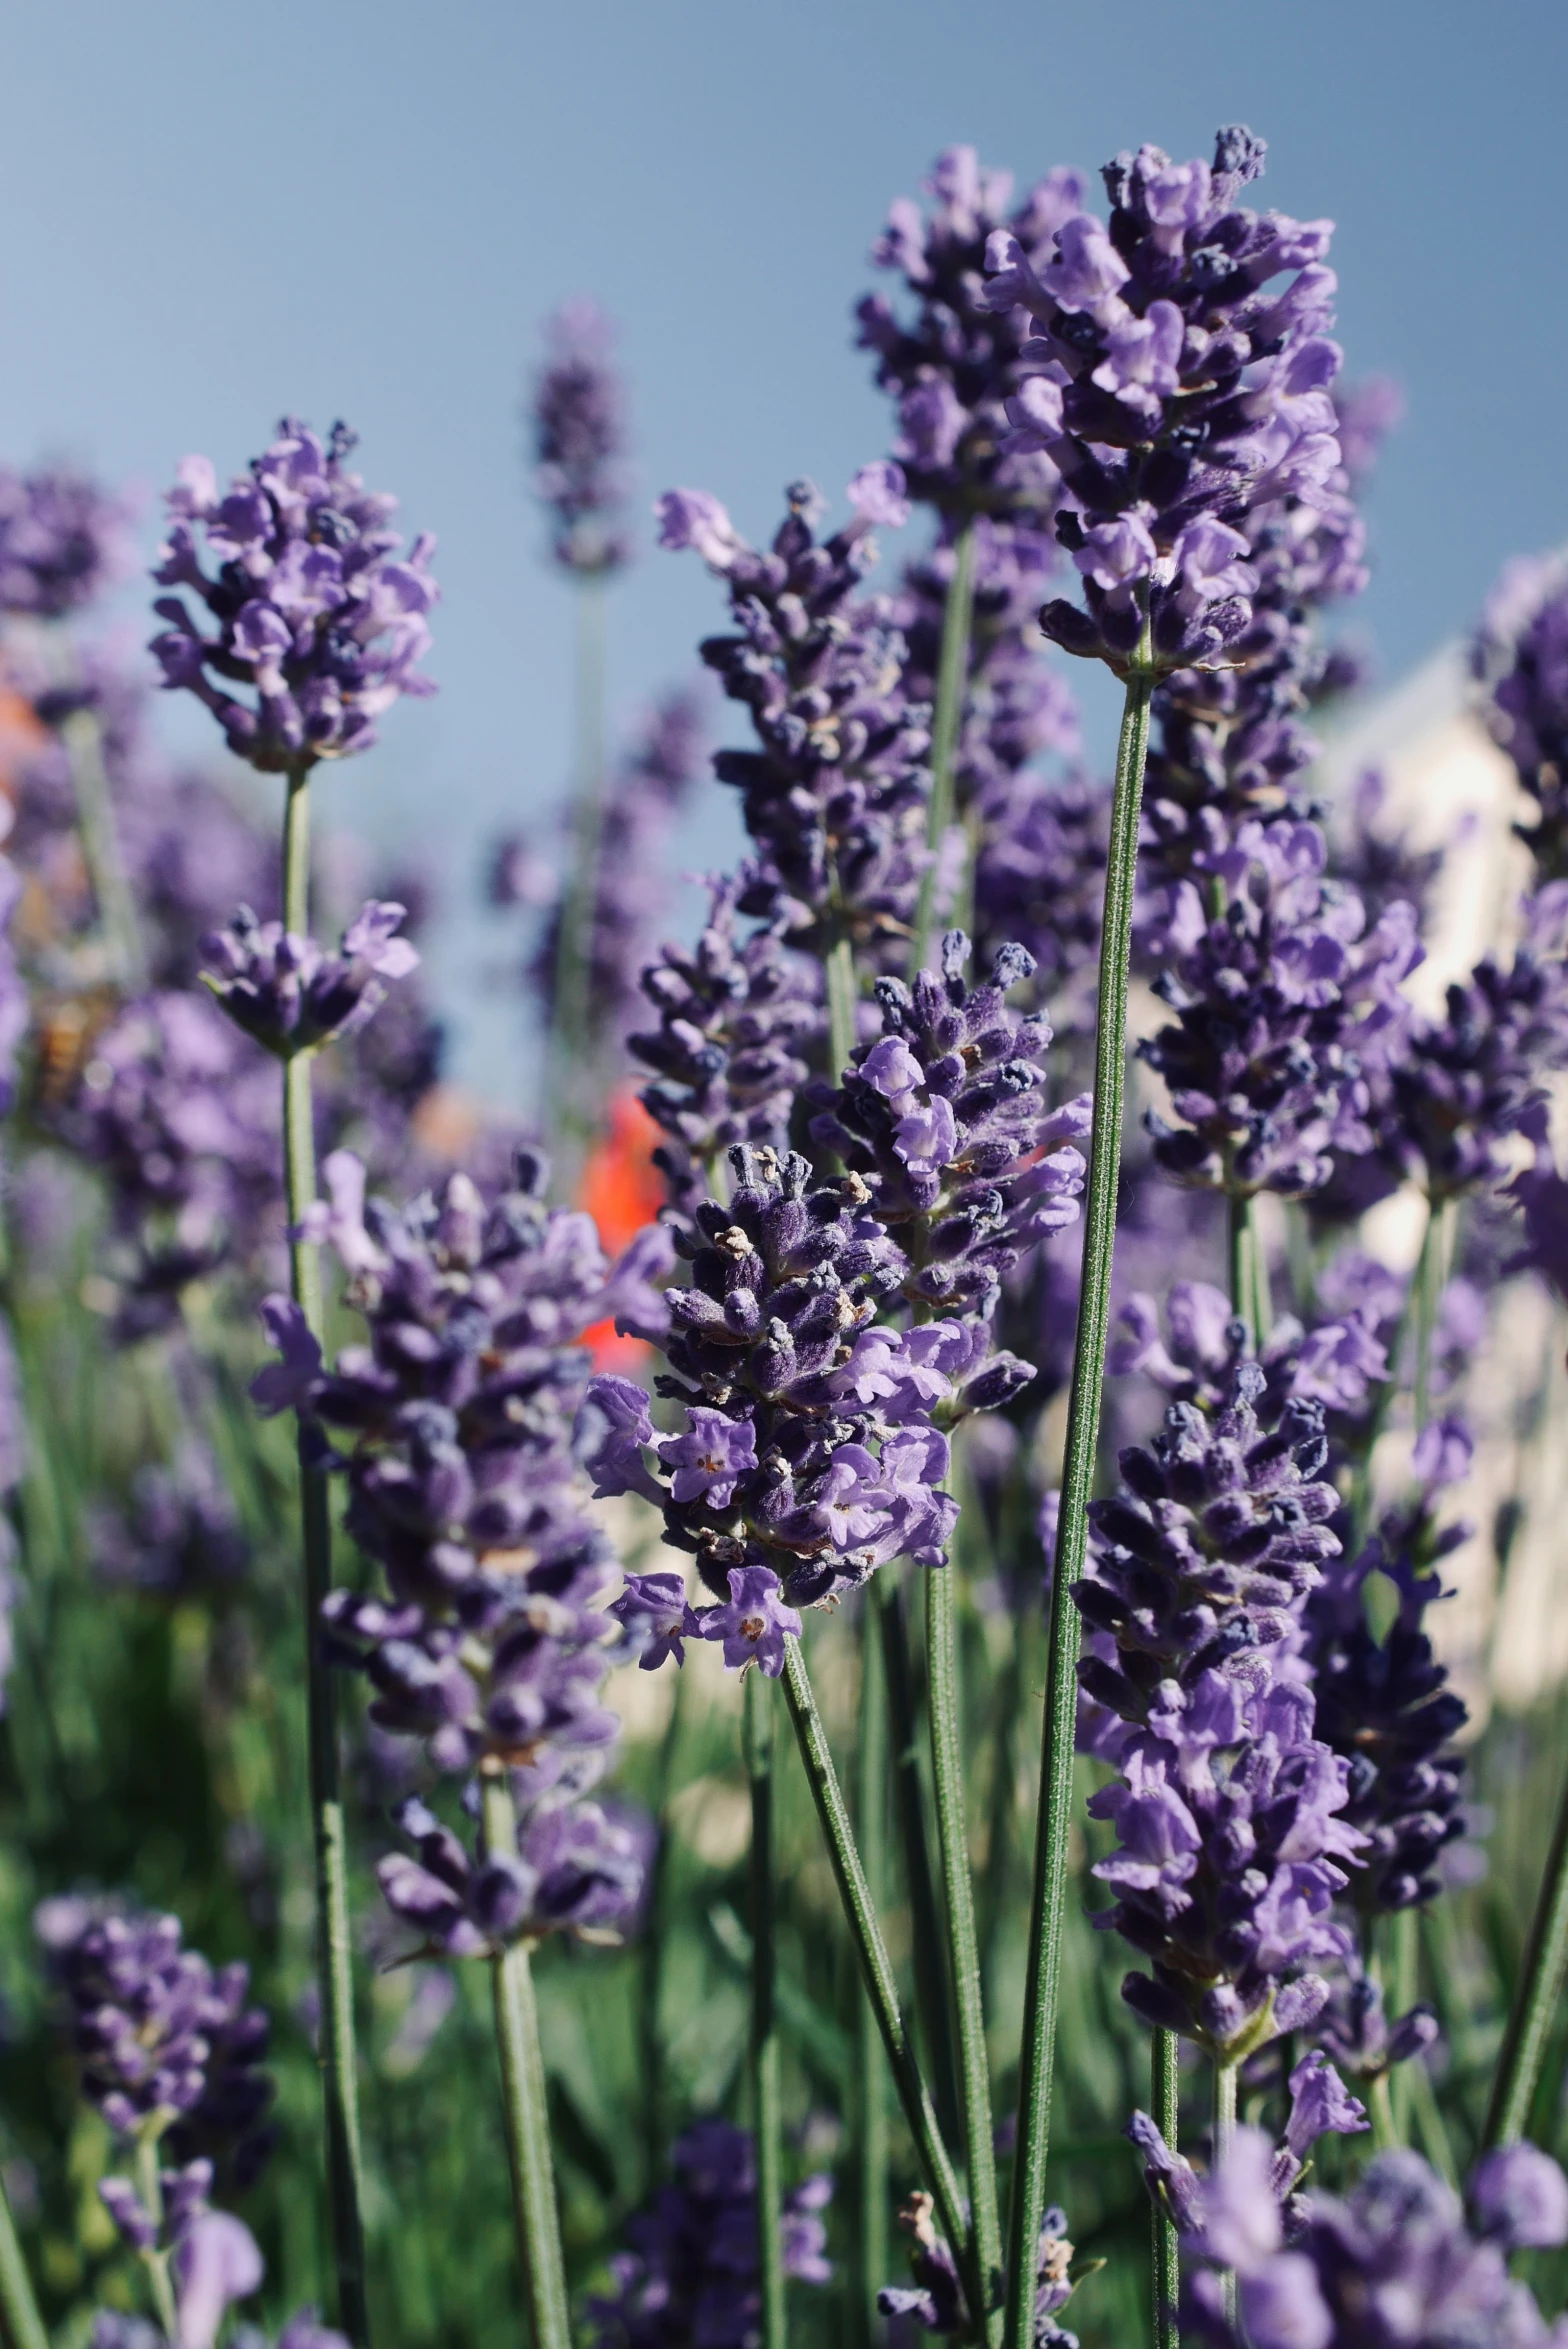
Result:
x=736 y=1017
x=1378 y=861
x=1521 y=654
x=1356 y=2032
x=1335 y=1364
x=63 y=540
x=1368 y=411
x=1177 y=391
x=834 y=793
x=952 y=360
x=1386 y=1705
x=690 y=2273
x=492 y=1642
x=1283 y=1007
x=289 y=993
x=752 y=1622
x=1392 y=2261
x=943 y=1119
x=315 y=610
x=1211 y=2210
x=179 y=1534
x=575 y=1870
x=936 y=2303
x=164 y=2042
x=579 y=437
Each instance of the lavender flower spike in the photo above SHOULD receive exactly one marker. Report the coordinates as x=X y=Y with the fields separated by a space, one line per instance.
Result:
x=313 y=607
x=579 y=434
x=63 y=539
x=289 y=993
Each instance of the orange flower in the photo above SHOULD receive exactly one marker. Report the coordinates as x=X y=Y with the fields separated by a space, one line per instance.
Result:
x=622 y=1190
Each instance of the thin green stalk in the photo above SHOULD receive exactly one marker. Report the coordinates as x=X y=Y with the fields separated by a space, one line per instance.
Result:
x=1225 y=2076
x=83 y=739
x=876 y=1968
x=1049 y=1896
x=952 y=683
x=766 y=2117
x=1537 y=1996
x=1249 y=1268
x=655 y=1938
x=963 y=1945
x=933 y=2007
x=21 y=2326
x=871 y=2238
x=149 y=2191
x=334 y=1948
x=572 y=1039
x=841 y=993
x=1403 y=1968
x=1431 y=1273
x=1165 y=2097
x=523 y=2104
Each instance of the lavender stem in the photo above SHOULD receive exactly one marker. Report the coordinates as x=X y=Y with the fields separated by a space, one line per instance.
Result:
x=83 y=739
x=1042 y=1987
x=523 y=2104
x=933 y=2008
x=1249 y=1269
x=876 y=1967
x=1536 y=1999
x=963 y=1946
x=20 y=2323
x=871 y=2236
x=1165 y=2101
x=573 y=1040
x=952 y=678
x=334 y=1949
x=766 y=2118
x=149 y=2190
x=1224 y=2138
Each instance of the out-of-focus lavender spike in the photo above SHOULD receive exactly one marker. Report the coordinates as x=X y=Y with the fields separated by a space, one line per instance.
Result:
x=578 y=423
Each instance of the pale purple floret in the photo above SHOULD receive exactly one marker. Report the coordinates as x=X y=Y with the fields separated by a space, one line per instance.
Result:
x=753 y=1622
x=63 y=540
x=312 y=605
x=1393 y=2261
x=653 y=1613
x=1521 y=655
x=579 y=442
x=291 y=994
x=690 y=2272
x=1177 y=390
x=576 y=1869
x=935 y=2301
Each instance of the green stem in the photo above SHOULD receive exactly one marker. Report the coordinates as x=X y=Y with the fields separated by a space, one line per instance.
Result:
x=1224 y=2137
x=953 y=1846
x=1249 y=1268
x=573 y=1040
x=149 y=2189
x=1165 y=2096
x=933 y=2007
x=1402 y=1997
x=841 y=994
x=871 y=2240
x=523 y=2104
x=83 y=739
x=1042 y=1986
x=766 y=2119
x=334 y=1949
x=20 y=2323
x=952 y=682
x=1537 y=1997
x=655 y=1939
x=876 y=1967
x=1431 y=1273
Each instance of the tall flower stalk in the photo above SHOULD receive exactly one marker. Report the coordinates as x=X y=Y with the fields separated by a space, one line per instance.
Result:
x=317 y=613
x=1042 y=1981
x=766 y=2114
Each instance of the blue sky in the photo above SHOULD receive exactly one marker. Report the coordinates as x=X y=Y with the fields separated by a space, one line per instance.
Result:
x=365 y=207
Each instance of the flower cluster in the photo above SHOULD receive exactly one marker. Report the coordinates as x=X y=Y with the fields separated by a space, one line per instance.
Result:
x=952 y=363
x=490 y=1644
x=579 y=436
x=691 y=2273
x=1333 y=1366
x=943 y=1117
x=935 y=2301
x=1229 y=1808
x=1521 y=653
x=293 y=996
x=834 y=795
x=737 y=1016
x=1283 y=1008
x=314 y=608
x=164 y=2042
x=1386 y=1705
x=178 y=1535
x=63 y=539
x=1319 y=2107
x=1393 y=2261
x=1178 y=390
